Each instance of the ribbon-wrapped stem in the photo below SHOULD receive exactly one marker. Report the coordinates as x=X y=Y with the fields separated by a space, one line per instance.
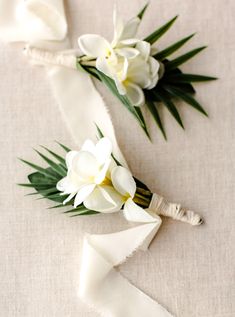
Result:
x=161 y=206
x=45 y=57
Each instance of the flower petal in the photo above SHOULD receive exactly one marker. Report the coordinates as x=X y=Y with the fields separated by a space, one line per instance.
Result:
x=135 y=94
x=144 y=49
x=69 y=198
x=130 y=29
x=123 y=181
x=127 y=52
x=83 y=193
x=94 y=45
x=69 y=184
x=129 y=42
x=103 y=150
x=139 y=72
x=154 y=69
x=135 y=213
x=104 y=199
x=118 y=27
x=69 y=158
x=88 y=146
x=120 y=87
x=62 y=184
x=103 y=65
x=102 y=174
x=85 y=165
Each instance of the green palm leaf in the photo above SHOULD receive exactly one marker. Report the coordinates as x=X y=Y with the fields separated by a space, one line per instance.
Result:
x=188 y=78
x=166 y=100
x=183 y=58
x=152 y=38
x=142 y=12
x=154 y=112
x=173 y=48
x=63 y=147
x=48 y=173
x=56 y=156
x=177 y=92
x=56 y=167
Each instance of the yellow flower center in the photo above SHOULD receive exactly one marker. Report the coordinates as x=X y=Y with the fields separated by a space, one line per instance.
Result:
x=106 y=182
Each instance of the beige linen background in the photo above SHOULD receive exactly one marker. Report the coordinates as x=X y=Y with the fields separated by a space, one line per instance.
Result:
x=188 y=270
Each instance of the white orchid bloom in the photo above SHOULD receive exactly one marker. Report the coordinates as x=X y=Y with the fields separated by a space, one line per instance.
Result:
x=88 y=178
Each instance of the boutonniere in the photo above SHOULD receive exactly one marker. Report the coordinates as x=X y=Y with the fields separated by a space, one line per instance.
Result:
x=135 y=70
x=140 y=74
x=92 y=181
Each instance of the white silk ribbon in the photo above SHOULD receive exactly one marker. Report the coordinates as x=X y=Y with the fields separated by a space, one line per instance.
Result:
x=43 y=24
x=104 y=288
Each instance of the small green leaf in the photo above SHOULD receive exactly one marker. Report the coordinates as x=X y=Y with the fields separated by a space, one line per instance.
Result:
x=35 y=185
x=56 y=197
x=152 y=38
x=183 y=58
x=59 y=206
x=176 y=92
x=41 y=179
x=100 y=133
x=56 y=167
x=58 y=157
x=41 y=170
x=187 y=78
x=80 y=208
x=171 y=107
x=173 y=48
x=154 y=112
x=48 y=192
x=85 y=213
x=142 y=12
x=140 y=114
x=63 y=147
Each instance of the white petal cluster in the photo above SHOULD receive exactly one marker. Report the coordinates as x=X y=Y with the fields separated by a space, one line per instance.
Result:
x=95 y=180
x=127 y=60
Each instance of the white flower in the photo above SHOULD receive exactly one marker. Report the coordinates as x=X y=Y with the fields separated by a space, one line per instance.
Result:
x=126 y=59
x=95 y=180
x=88 y=178
x=142 y=73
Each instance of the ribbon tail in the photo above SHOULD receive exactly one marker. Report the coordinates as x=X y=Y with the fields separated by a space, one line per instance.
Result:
x=106 y=290
x=82 y=106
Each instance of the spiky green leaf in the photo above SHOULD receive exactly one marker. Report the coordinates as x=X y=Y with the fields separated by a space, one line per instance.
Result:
x=142 y=12
x=183 y=58
x=85 y=213
x=41 y=170
x=56 y=156
x=56 y=167
x=179 y=93
x=166 y=100
x=172 y=48
x=153 y=37
x=63 y=147
x=154 y=112
x=188 y=78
